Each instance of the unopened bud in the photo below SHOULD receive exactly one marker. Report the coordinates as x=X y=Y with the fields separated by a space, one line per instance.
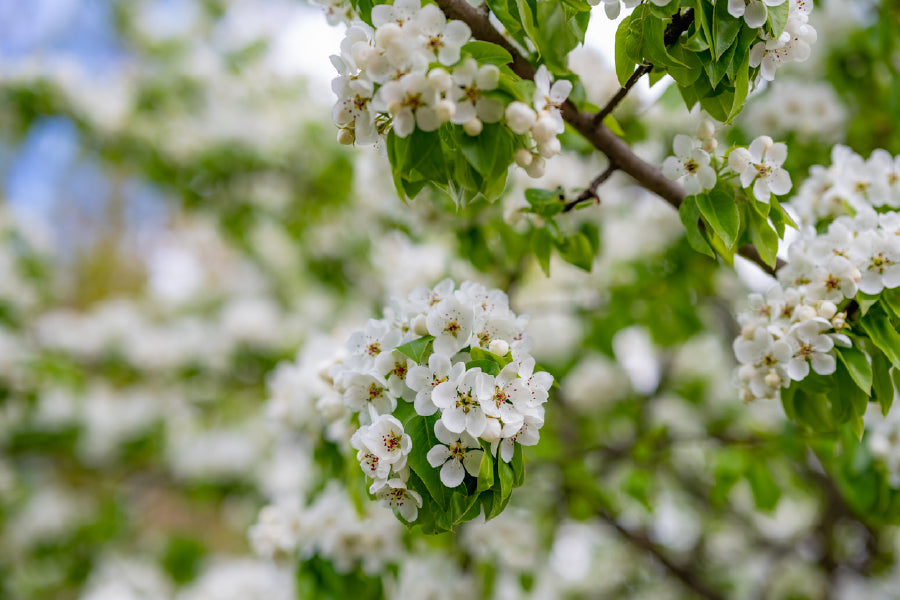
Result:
x=473 y=126
x=524 y=157
x=536 y=168
x=520 y=117
x=706 y=130
x=827 y=309
x=747 y=331
x=805 y=313
x=419 y=326
x=550 y=148
x=839 y=320
x=773 y=380
x=499 y=347
x=544 y=128
x=346 y=137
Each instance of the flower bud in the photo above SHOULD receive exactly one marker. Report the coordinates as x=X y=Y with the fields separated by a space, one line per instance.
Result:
x=524 y=157
x=445 y=110
x=536 y=168
x=839 y=320
x=520 y=117
x=544 y=128
x=748 y=331
x=747 y=396
x=346 y=136
x=827 y=309
x=773 y=380
x=491 y=432
x=473 y=126
x=419 y=326
x=550 y=148
x=499 y=347
x=706 y=130
x=805 y=313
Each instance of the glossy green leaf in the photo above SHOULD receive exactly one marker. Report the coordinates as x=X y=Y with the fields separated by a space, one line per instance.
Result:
x=690 y=218
x=882 y=384
x=417 y=349
x=778 y=18
x=721 y=213
x=487 y=53
x=878 y=327
x=857 y=363
x=421 y=430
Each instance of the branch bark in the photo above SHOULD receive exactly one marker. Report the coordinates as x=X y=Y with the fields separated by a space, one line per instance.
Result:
x=600 y=136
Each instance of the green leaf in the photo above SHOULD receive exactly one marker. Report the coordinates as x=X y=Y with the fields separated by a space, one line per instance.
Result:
x=857 y=363
x=890 y=298
x=766 y=491
x=486 y=366
x=741 y=87
x=490 y=152
x=725 y=29
x=878 y=327
x=882 y=384
x=577 y=249
x=763 y=237
x=418 y=349
x=542 y=242
x=518 y=466
x=421 y=430
x=506 y=477
x=778 y=18
x=487 y=53
x=486 y=470
x=719 y=104
x=690 y=217
x=545 y=203
x=624 y=59
x=721 y=213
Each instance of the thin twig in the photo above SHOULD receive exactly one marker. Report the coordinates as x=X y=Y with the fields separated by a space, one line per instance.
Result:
x=591 y=192
x=623 y=91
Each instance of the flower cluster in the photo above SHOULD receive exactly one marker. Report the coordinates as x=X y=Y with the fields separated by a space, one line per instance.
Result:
x=760 y=165
x=851 y=183
x=799 y=321
x=454 y=335
x=410 y=72
x=793 y=45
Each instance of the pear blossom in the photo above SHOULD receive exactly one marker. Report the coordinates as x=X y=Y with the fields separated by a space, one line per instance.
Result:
x=402 y=500
x=444 y=39
x=761 y=165
x=528 y=435
x=460 y=454
x=387 y=440
x=460 y=402
x=423 y=380
x=690 y=166
x=810 y=346
x=472 y=81
x=451 y=323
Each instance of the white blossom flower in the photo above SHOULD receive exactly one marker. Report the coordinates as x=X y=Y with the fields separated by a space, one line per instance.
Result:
x=690 y=165
x=810 y=345
x=460 y=454
x=423 y=380
x=472 y=81
x=753 y=11
x=761 y=166
x=400 y=499
x=444 y=39
x=451 y=323
x=387 y=440
x=460 y=402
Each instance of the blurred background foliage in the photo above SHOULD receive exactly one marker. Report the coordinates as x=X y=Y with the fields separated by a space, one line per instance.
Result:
x=182 y=240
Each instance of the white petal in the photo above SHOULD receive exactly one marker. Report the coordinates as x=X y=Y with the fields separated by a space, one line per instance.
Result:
x=797 y=368
x=438 y=455
x=683 y=145
x=454 y=420
x=452 y=473
x=823 y=364
x=780 y=182
x=443 y=434
x=756 y=14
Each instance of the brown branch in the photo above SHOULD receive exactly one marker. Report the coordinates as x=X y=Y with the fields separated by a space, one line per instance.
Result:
x=623 y=91
x=600 y=136
x=591 y=192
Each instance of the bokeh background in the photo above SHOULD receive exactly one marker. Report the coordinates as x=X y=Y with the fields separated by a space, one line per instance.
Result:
x=182 y=242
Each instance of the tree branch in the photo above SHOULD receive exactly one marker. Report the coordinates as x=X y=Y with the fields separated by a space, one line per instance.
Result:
x=600 y=136
x=623 y=91
x=591 y=192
